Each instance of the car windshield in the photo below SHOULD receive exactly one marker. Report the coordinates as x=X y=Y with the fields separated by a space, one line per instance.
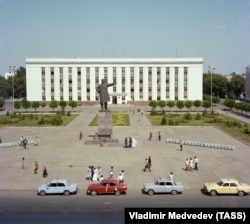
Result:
x=220 y=183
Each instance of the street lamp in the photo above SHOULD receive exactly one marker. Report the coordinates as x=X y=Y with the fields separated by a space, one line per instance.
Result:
x=12 y=71
x=211 y=71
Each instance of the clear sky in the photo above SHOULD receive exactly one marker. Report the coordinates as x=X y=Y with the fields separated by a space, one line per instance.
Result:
x=216 y=30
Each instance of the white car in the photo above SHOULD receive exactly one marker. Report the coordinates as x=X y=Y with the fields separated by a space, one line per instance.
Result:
x=57 y=186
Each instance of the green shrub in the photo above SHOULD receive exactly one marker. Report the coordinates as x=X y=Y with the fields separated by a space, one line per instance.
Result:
x=188 y=116
x=163 y=120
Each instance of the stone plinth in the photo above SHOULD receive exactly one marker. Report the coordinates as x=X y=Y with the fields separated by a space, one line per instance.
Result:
x=105 y=124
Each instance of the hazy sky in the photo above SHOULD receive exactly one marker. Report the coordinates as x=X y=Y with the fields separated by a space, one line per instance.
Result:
x=216 y=30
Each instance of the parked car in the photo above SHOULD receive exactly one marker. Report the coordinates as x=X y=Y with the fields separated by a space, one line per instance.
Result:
x=163 y=185
x=107 y=186
x=226 y=186
x=58 y=186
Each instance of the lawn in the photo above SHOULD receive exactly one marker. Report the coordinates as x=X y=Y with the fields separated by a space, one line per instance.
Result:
x=233 y=127
x=118 y=119
x=36 y=119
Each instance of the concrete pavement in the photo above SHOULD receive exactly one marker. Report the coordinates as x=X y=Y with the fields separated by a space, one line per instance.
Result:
x=65 y=156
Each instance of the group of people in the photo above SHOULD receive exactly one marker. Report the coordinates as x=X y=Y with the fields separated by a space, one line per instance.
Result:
x=151 y=135
x=191 y=164
x=148 y=164
x=130 y=142
x=95 y=174
x=24 y=142
x=36 y=168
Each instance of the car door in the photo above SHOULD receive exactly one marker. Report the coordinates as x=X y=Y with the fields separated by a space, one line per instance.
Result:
x=103 y=188
x=161 y=187
x=60 y=187
x=112 y=188
x=224 y=189
x=51 y=188
x=169 y=187
x=233 y=188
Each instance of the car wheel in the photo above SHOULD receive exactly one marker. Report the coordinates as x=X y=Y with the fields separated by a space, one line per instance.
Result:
x=174 y=192
x=93 y=193
x=117 y=193
x=240 y=193
x=66 y=193
x=42 y=193
x=150 y=192
x=213 y=193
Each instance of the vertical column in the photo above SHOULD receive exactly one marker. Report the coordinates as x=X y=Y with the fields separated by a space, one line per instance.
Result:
x=101 y=74
x=118 y=79
x=92 y=84
x=74 y=84
x=181 y=83
x=47 y=84
x=145 y=83
x=83 y=84
x=127 y=83
x=163 y=83
x=110 y=78
x=154 y=83
x=56 y=84
x=66 y=84
x=171 y=84
x=136 y=84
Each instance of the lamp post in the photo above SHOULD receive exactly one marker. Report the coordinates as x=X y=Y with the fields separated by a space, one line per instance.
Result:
x=12 y=71
x=211 y=71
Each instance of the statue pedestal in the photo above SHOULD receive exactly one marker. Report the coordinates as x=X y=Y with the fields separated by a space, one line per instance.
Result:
x=105 y=124
x=103 y=136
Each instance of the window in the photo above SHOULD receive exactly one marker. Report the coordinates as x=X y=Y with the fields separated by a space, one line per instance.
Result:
x=61 y=185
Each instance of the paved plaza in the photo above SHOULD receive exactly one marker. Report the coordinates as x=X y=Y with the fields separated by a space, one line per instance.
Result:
x=65 y=156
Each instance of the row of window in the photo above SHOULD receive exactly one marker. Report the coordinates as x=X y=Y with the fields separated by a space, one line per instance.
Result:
x=114 y=69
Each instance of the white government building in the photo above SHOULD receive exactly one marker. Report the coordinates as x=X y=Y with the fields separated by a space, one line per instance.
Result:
x=136 y=79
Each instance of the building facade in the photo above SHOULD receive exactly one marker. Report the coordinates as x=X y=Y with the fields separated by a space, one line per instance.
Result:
x=136 y=79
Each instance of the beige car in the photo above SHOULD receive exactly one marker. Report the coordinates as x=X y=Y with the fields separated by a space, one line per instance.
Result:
x=226 y=186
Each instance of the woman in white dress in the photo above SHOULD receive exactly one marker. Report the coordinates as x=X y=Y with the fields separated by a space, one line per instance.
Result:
x=134 y=142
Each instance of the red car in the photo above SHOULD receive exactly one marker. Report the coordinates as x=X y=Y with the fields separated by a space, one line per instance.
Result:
x=107 y=186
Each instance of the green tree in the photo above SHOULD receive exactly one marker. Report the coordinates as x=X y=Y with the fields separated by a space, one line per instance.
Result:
x=162 y=104
x=53 y=104
x=237 y=85
x=153 y=104
x=197 y=104
x=62 y=104
x=3 y=88
x=17 y=105
x=188 y=104
x=43 y=104
x=170 y=104
x=180 y=104
x=2 y=102
x=35 y=105
x=206 y=104
x=72 y=104
x=26 y=104
x=229 y=103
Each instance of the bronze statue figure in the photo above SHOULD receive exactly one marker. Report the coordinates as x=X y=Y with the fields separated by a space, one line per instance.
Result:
x=102 y=89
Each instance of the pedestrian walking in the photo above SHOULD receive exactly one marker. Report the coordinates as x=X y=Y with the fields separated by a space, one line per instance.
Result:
x=1 y=140
x=159 y=136
x=25 y=142
x=45 y=172
x=148 y=164
x=191 y=164
x=171 y=176
x=181 y=145
x=196 y=163
x=126 y=142
x=130 y=142
x=111 y=172
x=36 y=141
x=80 y=136
x=187 y=164
x=36 y=167
x=150 y=136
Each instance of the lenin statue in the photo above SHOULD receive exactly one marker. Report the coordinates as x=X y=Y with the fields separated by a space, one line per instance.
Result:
x=102 y=89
